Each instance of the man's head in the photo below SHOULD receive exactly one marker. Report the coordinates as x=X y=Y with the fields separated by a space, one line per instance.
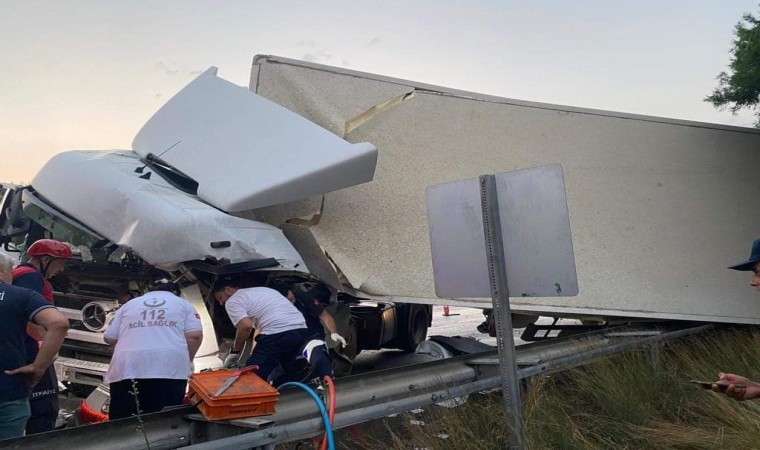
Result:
x=224 y=288
x=166 y=286
x=49 y=256
x=319 y=292
x=751 y=264
x=6 y=268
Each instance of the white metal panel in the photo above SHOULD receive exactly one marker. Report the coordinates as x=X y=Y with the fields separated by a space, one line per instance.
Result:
x=658 y=207
x=535 y=230
x=247 y=152
x=161 y=224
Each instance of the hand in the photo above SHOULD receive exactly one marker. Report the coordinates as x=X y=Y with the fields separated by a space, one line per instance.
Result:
x=339 y=339
x=750 y=391
x=232 y=360
x=31 y=373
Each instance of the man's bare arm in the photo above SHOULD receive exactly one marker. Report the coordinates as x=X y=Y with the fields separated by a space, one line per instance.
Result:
x=327 y=320
x=242 y=331
x=56 y=325
x=194 y=339
x=35 y=331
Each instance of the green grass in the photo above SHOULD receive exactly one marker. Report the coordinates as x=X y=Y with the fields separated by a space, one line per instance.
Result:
x=637 y=400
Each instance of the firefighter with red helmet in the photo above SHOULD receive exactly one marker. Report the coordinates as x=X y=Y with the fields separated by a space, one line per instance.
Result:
x=47 y=258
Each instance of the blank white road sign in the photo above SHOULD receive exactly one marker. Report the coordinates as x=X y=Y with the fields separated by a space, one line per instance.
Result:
x=535 y=227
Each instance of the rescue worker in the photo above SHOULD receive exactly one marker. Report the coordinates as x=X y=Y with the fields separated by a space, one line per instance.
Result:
x=311 y=304
x=156 y=337
x=18 y=306
x=282 y=328
x=47 y=259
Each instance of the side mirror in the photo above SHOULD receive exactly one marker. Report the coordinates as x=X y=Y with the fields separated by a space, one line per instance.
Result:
x=13 y=221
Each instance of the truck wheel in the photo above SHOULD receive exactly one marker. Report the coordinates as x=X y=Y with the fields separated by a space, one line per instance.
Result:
x=417 y=331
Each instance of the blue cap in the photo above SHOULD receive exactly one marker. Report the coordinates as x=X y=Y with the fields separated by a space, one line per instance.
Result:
x=754 y=257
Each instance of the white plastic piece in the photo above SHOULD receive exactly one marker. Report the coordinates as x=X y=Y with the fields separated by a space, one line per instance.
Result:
x=248 y=152
x=162 y=224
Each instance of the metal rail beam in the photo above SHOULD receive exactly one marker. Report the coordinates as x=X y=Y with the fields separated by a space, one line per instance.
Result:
x=310 y=425
x=359 y=398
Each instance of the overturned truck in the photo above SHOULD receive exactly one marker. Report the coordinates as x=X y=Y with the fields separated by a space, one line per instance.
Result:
x=658 y=207
x=279 y=182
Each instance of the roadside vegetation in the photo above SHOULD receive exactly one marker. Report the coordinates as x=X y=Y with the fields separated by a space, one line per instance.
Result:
x=637 y=400
x=739 y=86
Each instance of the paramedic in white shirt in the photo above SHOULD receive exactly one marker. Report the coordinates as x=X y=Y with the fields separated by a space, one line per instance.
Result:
x=156 y=338
x=282 y=328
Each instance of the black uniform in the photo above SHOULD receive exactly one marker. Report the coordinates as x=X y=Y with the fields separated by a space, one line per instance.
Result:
x=43 y=399
x=317 y=355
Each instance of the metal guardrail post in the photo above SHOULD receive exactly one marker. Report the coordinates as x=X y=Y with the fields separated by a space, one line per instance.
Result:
x=497 y=271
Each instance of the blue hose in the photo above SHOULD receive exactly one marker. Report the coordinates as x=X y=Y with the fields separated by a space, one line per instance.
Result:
x=322 y=410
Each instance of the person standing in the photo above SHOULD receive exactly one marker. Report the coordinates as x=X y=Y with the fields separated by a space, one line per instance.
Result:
x=741 y=388
x=156 y=337
x=19 y=306
x=282 y=328
x=47 y=259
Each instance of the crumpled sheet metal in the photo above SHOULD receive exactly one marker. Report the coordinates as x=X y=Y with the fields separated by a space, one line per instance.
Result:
x=163 y=225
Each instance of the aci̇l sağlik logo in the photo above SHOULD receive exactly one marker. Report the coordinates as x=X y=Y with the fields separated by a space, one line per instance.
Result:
x=154 y=302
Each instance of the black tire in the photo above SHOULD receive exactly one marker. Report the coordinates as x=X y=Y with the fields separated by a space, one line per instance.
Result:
x=416 y=331
x=343 y=362
x=80 y=390
x=352 y=342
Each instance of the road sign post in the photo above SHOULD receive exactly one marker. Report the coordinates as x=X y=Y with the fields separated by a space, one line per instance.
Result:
x=497 y=271
x=501 y=235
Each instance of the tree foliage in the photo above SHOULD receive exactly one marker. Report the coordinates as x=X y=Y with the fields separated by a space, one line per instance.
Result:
x=739 y=88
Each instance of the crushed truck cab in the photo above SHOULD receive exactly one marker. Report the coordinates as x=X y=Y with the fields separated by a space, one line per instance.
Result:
x=182 y=205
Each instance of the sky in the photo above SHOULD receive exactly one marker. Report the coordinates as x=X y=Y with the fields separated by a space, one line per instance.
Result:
x=82 y=74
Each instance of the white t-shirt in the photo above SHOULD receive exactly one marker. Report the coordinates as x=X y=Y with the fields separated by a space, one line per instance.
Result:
x=150 y=332
x=270 y=312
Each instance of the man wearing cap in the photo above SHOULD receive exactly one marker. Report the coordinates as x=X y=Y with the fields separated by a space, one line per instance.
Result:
x=47 y=258
x=750 y=389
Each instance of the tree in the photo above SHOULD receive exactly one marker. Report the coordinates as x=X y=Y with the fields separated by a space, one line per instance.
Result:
x=739 y=88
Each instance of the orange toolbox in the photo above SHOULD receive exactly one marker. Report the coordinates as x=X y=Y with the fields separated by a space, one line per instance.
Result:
x=247 y=396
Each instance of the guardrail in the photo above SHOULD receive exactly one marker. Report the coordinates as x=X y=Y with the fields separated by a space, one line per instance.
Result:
x=360 y=398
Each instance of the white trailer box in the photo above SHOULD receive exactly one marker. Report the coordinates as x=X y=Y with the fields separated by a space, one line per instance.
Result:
x=658 y=207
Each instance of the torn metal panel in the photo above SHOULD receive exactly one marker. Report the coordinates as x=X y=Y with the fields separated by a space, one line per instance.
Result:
x=163 y=225
x=316 y=260
x=373 y=111
x=247 y=152
x=655 y=204
x=317 y=98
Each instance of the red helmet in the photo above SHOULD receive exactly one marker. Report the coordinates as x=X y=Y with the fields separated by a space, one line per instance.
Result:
x=49 y=247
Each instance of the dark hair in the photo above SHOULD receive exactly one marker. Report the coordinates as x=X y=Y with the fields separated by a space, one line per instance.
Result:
x=224 y=282
x=281 y=287
x=167 y=286
x=320 y=292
